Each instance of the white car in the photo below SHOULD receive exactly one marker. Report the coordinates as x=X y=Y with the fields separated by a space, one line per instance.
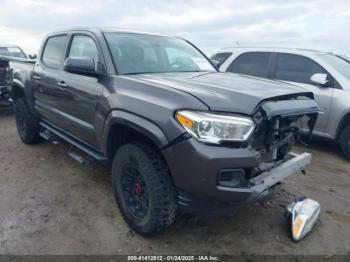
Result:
x=325 y=74
x=345 y=57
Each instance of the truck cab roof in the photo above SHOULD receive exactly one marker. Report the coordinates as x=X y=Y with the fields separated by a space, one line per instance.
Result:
x=300 y=51
x=106 y=29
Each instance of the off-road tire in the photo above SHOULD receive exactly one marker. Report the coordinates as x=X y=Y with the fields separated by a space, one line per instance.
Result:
x=162 y=197
x=27 y=124
x=344 y=142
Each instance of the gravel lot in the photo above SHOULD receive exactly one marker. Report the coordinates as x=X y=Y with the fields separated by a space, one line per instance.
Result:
x=49 y=204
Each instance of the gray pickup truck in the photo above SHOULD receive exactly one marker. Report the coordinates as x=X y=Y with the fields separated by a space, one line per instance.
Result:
x=181 y=136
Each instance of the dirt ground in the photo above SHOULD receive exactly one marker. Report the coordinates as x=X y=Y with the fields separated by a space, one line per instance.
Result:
x=49 y=204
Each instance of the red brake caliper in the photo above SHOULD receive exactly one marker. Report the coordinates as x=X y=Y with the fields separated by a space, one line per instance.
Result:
x=138 y=188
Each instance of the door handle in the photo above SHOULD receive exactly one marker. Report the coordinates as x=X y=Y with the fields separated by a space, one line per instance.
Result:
x=36 y=77
x=62 y=84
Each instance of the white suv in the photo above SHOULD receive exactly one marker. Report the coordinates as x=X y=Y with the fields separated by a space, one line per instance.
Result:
x=326 y=75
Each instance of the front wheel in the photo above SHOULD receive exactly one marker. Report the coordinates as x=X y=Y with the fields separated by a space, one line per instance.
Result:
x=344 y=142
x=27 y=124
x=143 y=189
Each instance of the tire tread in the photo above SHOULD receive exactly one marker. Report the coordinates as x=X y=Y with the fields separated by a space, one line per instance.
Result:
x=344 y=142
x=31 y=135
x=164 y=209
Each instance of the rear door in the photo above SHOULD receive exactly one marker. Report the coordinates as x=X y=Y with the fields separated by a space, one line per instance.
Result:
x=47 y=95
x=298 y=69
x=257 y=64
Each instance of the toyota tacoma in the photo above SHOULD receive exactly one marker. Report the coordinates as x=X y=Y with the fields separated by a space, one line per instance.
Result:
x=181 y=137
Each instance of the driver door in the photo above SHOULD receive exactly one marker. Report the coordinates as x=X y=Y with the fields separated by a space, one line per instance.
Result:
x=82 y=92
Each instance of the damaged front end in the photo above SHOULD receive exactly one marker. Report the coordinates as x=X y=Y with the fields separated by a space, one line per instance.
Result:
x=277 y=127
x=232 y=174
x=276 y=131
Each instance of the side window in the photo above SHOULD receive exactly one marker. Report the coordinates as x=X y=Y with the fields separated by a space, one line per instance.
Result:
x=53 y=51
x=221 y=58
x=253 y=63
x=296 y=68
x=83 y=46
x=150 y=55
x=4 y=51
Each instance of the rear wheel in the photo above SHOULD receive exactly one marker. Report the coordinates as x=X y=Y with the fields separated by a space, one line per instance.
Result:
x=344 y=142
x=27 y=123
x=143 y=189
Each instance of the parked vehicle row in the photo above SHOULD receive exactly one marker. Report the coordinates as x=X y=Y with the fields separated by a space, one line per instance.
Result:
x=7 y=53
x=3 y=79
x=12 y=51
x=181 y=136
x=326 y=75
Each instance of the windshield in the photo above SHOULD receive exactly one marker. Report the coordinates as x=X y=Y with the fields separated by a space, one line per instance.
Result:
x=342 y=66
x=137 y=54
x=12 y=51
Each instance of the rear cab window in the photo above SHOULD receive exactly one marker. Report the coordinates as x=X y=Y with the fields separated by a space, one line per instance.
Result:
x=53 y=51
x=252 y=63
x=296 y=68
x=220 y=58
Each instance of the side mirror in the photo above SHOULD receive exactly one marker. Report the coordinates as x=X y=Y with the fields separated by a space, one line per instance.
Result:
x=320 y=79
x=80 y=65
x=33 y=56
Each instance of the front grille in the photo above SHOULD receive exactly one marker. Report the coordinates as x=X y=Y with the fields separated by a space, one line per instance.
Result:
x=273 y=138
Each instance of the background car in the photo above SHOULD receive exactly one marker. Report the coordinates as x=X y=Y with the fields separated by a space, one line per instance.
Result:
x=345 y=57
x=325 y=74
x=7 y=52
x=3 y=79
x=12 y=51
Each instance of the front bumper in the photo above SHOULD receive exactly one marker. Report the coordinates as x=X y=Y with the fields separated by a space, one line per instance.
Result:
x=261 y=184
x=195 y=167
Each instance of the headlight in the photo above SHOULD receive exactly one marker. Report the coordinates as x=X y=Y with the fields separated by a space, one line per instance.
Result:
x=216 y=128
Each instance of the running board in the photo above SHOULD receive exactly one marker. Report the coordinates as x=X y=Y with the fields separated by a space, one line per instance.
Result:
x=49 y=136
x=73 y=141
x=83 y=160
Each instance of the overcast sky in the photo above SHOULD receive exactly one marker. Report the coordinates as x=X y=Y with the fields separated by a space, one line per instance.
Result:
x=210 y=24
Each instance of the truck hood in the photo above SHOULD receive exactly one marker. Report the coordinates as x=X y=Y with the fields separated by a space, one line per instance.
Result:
x=225 y=91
